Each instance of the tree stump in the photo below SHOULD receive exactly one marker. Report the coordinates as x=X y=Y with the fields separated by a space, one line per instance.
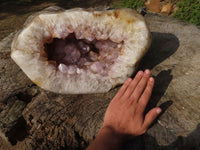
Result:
x=31 y=118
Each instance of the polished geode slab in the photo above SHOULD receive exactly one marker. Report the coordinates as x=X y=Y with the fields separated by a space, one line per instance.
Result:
x=81 y=51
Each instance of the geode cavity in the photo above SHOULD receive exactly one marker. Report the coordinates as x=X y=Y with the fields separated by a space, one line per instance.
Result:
x=81 y=51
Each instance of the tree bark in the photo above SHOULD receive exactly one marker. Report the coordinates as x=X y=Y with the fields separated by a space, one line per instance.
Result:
x=31 y=118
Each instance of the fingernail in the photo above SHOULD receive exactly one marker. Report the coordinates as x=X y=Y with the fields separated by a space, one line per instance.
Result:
x=151 y=79
x=147 y=71
x=140 y=73
x=129 y=80
x=158 y=111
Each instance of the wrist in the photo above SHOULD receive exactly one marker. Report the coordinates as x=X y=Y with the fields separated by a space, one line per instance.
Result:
x=112 y=134
x=106 y=139
x=116 y=134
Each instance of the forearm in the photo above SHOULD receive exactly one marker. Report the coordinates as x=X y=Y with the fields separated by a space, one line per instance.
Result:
x=106 y=139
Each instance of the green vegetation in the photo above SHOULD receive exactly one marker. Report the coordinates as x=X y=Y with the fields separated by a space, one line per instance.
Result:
x=189 y=10
x=134 y=4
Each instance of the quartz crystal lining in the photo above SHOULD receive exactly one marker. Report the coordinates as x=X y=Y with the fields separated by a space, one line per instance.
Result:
x=70 y=54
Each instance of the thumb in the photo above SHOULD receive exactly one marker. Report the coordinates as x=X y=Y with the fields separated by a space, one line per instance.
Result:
x=151 y=116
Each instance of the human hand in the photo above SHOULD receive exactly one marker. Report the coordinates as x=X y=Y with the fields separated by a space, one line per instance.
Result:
x=125 y=113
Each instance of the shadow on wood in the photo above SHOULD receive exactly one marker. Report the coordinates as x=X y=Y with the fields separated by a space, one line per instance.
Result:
x=163 y=46
x=147 y=142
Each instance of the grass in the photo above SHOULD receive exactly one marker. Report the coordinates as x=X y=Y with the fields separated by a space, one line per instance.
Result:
x=135 y=4
x=189 y=10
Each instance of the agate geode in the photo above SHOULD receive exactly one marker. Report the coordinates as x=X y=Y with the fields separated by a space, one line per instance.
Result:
x=79 y=50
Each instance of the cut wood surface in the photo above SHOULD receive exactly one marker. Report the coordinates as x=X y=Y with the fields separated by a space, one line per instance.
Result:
x=31 y=118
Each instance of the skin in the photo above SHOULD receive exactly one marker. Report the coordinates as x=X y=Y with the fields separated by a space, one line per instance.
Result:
x=124 y=117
